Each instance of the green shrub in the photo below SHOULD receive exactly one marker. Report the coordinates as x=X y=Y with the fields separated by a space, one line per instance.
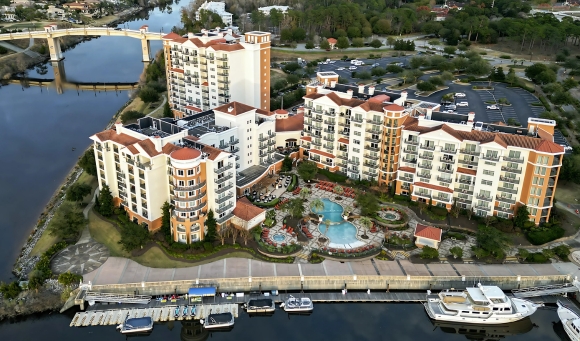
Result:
x=429 y=253
x=456 y=235
x=207 y=246
x=545 y=235
x=440 y=211
x=523 y=253
x=334 y=177
x=10 y=290
x=537 y=258
x=67 y=279
x=293 y=183
x=562 y=251
x=505 y=56
x=456 y=251
x=131 y=115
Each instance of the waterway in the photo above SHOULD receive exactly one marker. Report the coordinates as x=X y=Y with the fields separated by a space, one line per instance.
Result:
x=42 y=133
x=356 y=321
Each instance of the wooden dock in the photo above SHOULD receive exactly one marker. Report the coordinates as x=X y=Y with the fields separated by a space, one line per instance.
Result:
x=338 y=297
x=159 y=314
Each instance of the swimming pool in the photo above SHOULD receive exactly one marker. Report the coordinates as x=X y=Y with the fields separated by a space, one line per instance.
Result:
x=278 y=237
x=332 y=211
x=340 y=231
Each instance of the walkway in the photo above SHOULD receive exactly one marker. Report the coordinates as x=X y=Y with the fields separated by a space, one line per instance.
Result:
x=160 y=107
x=83 y=257
x=117 y=270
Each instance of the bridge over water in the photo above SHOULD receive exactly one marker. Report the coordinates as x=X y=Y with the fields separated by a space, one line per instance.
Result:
x=51 y=33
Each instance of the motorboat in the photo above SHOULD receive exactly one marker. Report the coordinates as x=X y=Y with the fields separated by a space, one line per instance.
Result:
x=217 y=321
x=262 y=305
x=570 y=321
x=185 y=311
x=485 y=332
x=479 y=305
x=136 y=325
x=176 y=311
x=293 y=304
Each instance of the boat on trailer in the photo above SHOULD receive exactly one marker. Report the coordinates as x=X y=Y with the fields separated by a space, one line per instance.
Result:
x=261 y=305
x=297 y=305
x=218 y=321
x=570 y=321
x=479 y=305
x=136 y=325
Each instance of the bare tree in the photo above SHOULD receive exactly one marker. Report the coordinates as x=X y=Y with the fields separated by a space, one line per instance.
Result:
x=234 y=233
x=245 y=234
x=223 y=233
x=422 y=206
x=469 y=213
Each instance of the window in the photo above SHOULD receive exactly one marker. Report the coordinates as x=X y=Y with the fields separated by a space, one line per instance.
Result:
x=532 y=211
x=487 y=172
x=538 y=181
x=449 y=147
x=181 y=183
x=357 y=133
x=536 y=191
x=356 y=141
x=542 y=160
x=514 y=154
x=356 y=150
x=180 y=172
x=540 y=170
x=190 y=183
x=534 y=201
x=486 y=182
x=190 y=172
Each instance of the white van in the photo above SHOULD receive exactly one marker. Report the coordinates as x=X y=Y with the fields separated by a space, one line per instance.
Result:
x=478 y=126
x=354 y=62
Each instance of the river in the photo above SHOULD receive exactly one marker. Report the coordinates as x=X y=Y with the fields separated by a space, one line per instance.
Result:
x=43 y=135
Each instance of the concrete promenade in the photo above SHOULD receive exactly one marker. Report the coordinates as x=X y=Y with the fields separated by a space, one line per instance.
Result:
x=122 y=275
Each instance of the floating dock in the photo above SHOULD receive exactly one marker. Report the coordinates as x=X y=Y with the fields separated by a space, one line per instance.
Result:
x=158 y=314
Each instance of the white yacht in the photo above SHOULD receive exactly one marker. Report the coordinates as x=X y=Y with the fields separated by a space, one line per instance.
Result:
x=570 y=321
x=262 y=305
x=218 y=321
x=297 y=305
x=479 y=305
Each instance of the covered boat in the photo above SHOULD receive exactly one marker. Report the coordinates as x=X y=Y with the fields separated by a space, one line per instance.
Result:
x=263 y=305
x=479 y=305
x=136 y=325
x=293 y=304
x=570 y=321
x=216 y=321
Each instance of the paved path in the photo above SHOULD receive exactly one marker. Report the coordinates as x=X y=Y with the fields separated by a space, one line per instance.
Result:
x=160 y=107
x=117 y=270
x=17 y=49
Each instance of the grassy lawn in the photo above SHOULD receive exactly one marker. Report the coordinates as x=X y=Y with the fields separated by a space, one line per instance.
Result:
x=155 y=258
x=31 y=25
x=138 y=105
x=276 y=75
x=47 y=240
x=105 y=233
x=286 y=54
x=567 y=192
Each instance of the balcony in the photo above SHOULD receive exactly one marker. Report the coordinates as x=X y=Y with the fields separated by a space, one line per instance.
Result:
x=224 y=168
x=410 y=151
x=406 y=178
x=424 y=177
x=504 y=199
x=469 y=152
x=224 y=81
x=463 y=190
x=316 y=143
x=442 y=179
x=342 y=164
x=370 y=164
x=447 y=160
x=468 y=162
x=466 y=181
x=494 y=158
x=484 y=197
x=328 y=146
x=413 y=142
x=425 y=166
x=428 y=147
x=224 y=218
x=330 y=139
x=508 y=190
x=370 y=173
x=317 y=119
x=464 y=200
x=221 y=180
x=342 y=156
x=511 y=170
x=328 y=163
x=373 y=131
x=225 y=188
x=373 y=149
x=445 y=199
x=353 y=162
x=374 y=140
x=222 y=209
x=372 y=157
x=482 y=207
x=413 y=161
x=513 y=159
x=422 y=194
x=449 y=151
x=445 y=170
x=329 y=113
x=233 y=150
x=356 y=119
x=426 y=156
x=510 y=180
x=193 y=198
x=504 y=209
x=344 y=133
x=223 y=199
x=191 y=209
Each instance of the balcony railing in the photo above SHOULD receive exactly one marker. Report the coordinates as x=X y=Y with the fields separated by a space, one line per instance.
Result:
x=484 y=197
x=513 y=159
x=504 y=199
x=511 y=170
x=466 y=181
x=220 y=180
x=504 y=209
x=371 y=148
x=406 y=178
x=463 y=190
x=410 y=151
x=428 y=147
x=372 y=157
x=508 y=190
x=446 y=160
x=410 y=160
x=224 y=168
x=224 y=218
x=413 y=142
x=357 y=120
x=469 y=152
x=494 y=158
x=222 y=209
x=223 y=199
x=449 y=151
x=445 y=170
x=467 y=162
x=442 y=179
x=422 y=194
x=482 y=207
x=510 y=180
x=426 y=156
x=374 y=140
x=425 y=166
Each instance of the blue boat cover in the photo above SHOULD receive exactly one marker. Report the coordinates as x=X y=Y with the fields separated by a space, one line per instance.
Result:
x=206 y=291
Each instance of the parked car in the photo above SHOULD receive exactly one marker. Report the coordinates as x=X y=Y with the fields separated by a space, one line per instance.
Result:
x=352 y=68
x=478 y=126
x=462 y=104
x=340 y=68
x=331 y=61
x=295 y=108
x=375 y=65
x=451 y=107
x=493 y=107
x=459 y=94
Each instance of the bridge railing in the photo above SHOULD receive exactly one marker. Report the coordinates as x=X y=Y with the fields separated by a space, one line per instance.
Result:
x=82 y=30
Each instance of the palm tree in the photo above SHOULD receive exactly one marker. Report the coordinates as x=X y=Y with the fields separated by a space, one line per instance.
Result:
x=366 y=222
x=327 y=223
x=317 y=205
x=338 y=190
x=304 y=193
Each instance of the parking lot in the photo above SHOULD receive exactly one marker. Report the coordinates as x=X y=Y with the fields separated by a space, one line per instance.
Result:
x=388 y=79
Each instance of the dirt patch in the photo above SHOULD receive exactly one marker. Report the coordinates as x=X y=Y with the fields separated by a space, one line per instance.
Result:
x=22 y=43
x=514 y=50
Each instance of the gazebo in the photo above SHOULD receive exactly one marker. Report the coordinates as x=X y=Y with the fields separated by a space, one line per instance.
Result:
x=427 y=236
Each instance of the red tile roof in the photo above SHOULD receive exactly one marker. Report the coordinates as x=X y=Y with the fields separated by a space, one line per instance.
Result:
x=133 y=150
x=171 y=36
x=212 y=152
x=433 y=187
x=245 y=210
x=227 y=47
x=549 y=147
x=379 y=98
x=428 y=232
x=372 y=106
x=148 y=147
x=191 y=107
x=407 y=169
x=111 y=135
x=313 y=96
x=394 y=107
x=185 y=154
x=466 y=171
x=176 y=70
x=292 y=123
x=237 y=108
x=281 y=112
x=306 y=138
x=343 y=140
x=320 y=152
x=332 y=41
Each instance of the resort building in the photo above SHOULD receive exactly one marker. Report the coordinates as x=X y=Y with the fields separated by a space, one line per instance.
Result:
x=443 y=158
x=197 y=163
x=266 y=10
x=218 y=8
x=212 y=68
